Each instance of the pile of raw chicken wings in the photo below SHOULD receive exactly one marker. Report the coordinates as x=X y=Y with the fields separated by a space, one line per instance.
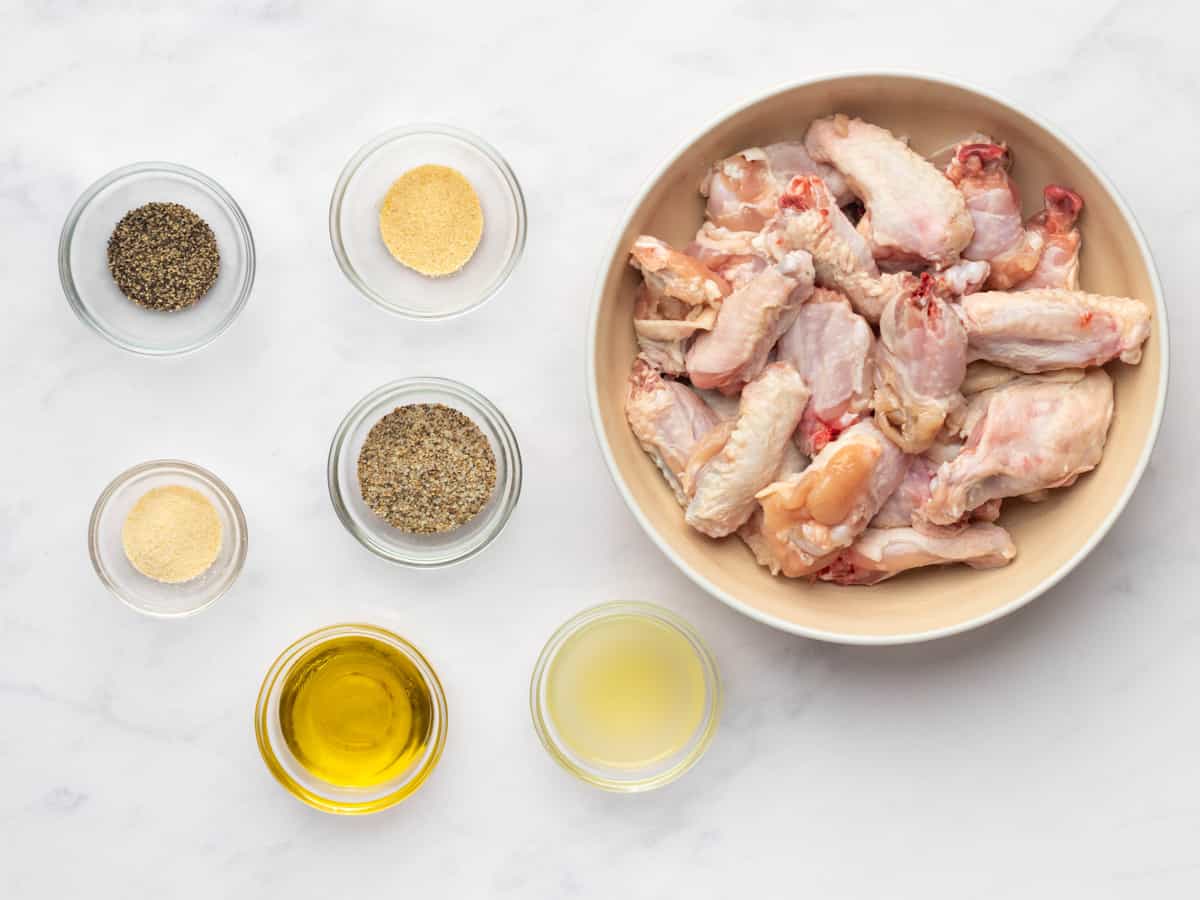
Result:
x=863 y=352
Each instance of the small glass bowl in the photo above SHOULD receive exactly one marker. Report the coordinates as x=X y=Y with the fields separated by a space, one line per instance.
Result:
x=94 y=295
x=354 y=221
x=316 y=792
x=423 y=550
x=610 y=778
x=154 y=598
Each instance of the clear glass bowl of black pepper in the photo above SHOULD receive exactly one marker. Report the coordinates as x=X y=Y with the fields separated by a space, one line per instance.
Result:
x=90 y=285
x=407 y=548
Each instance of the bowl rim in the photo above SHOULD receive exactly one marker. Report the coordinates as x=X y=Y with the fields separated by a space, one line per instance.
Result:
x=404 y=131
x=1016 y=603
x=486 y=410
x=201 y=474
x=67 y=236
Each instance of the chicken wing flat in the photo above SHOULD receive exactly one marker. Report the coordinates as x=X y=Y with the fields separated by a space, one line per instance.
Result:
x=920 y=363
x=751 y=320
x=1058 y=266
x=668 y=419
x=880 y=553
x=1029 y=435
x=735 y=462
x=1045 y=329
x=743 y=189
x=808 y=518
x=809 y=219
x=730 y=254
x=832 y=347
x=914 y=214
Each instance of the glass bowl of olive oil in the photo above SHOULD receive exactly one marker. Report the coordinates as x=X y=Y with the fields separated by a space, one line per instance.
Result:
x=626 y=696
x=351 y=719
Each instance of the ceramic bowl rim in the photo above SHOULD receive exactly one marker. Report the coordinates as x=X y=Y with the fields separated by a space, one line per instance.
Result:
x=1100 y=530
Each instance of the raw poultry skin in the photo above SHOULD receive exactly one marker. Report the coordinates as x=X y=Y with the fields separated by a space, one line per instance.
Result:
x=920 y=363
x=730 y=254
x=831 y=347
x=1045 y=329
x=735 y=461
x=1058 y=266
x=1030 y=435
x=678 y=298
x=981 y=172
x=880 y=553
x=914 y=214
x=809 y=219
x=668 y=419
x=808 y=518
x=751 y=320
x=743 y=190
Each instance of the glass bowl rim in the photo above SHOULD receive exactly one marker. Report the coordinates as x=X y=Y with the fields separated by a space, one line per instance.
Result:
x=404 y=131
x=66 y=238
x=509 y=449
x=202 y=474
x=713 y=700
x=281 y=665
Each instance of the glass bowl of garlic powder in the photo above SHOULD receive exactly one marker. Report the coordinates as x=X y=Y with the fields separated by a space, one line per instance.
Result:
x=167 y=538
x=427 y=221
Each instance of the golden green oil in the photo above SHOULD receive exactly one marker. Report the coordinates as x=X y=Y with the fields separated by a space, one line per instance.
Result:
x=356 y=712
x=626 y=692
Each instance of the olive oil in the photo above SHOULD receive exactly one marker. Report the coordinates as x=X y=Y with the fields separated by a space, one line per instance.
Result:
x=356 y=712
x=626 y=691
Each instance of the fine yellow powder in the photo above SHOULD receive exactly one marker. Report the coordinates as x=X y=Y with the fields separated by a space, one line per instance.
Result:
x=431 y=220
x=172 y=534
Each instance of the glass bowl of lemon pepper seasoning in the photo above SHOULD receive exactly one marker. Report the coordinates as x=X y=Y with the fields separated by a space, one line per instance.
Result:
x=167 y=538
x=351 y=719
x=427 y=221
x=424 y=472
x=157 y=258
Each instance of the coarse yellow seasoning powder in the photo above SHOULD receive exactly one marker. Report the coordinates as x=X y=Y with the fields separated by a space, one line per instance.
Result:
x=172 y=534
x=431 y=220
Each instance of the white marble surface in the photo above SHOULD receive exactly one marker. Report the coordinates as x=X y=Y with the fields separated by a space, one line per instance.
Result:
x=1051 y=754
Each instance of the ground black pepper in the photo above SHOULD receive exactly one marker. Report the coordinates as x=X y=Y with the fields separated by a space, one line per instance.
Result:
x=163 y=256
x=426 y=468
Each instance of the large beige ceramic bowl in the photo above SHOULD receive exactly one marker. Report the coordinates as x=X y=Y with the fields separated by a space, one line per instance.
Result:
x=1051 y=537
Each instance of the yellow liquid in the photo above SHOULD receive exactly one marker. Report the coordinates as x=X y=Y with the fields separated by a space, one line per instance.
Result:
x=625 y=692
x=356 y=712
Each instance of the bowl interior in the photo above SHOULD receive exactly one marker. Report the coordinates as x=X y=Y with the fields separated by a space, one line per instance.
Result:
x=1050 y=536
x=93 y=292
x=131 y=586
x=423 y=549
x=354 y=222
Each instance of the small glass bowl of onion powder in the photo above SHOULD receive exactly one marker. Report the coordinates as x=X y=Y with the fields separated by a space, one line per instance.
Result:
x=424 y=472
x=167 y=538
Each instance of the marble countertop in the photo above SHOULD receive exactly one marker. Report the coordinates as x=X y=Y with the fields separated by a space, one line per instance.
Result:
x=1052 y=753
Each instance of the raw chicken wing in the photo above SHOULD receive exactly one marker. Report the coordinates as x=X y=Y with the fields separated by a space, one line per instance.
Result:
x=679 y=297
x=981 y=172
x=831 y=347
x=668 y=419
x=1032 y=434
x=915 y=215
x=1059 y=263
x=809 y=517
x=751 y=320
x=743 y=189
x=809 y=219
x=1045 y=329
x=880 y=553
x=920 y=363
x=736 y=461
x=730 y=254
